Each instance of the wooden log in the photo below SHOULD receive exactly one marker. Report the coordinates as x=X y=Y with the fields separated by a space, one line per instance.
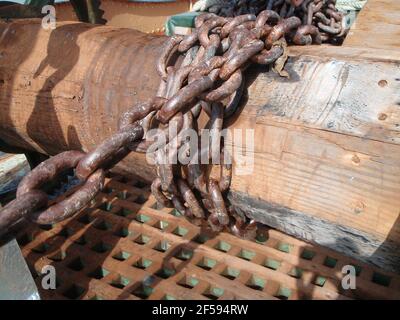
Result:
x=326 y=158
x=327 y=155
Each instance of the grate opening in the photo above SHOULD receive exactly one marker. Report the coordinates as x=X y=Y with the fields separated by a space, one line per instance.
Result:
x=162 y=246
x=121 y=255
x=101 y=247
x=46 y=227
x=223 y=246
x=330 y=262
x=107 y=190
x=283 y=293
x=358 y=270
x=81 y=240
x=320 y=281
x=122 y=232
x=139 y=184
x=123 y=212
x=296 y=273
x=76 y=264
x=142 y=239
x=184 y=254
x=261 y=237
x=307 y=254
x=188 y=282
x=123 y=195
x=99 y=273
x=381 y=279
x=142 y=263
x=157 y=206
x=256 y=283
x=284 y=247
x=66 y=232
x=106 y=206
x=176 y=213
x=246 y=254
x=142 y=218
x=103 y=225
x=180 y=231
x=122 y=179
x=213 y=293
x=142 y=291
x=120 y=282
x=207 y=263
x=85 y=219
x=230 y=273
x=201 y=238
x=165 y=273
x=73 y=292
x=41 y=248
x=272 y=264
x=140 y=199
x=162 y=225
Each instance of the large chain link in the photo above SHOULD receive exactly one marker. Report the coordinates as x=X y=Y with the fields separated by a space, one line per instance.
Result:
x=33 y=204
x=201 y=72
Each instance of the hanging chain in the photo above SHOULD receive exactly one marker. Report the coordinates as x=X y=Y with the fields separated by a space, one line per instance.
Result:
x=201 y=72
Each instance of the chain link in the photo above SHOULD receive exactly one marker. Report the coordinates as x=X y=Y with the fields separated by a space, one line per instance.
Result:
x=207 y=76
x=216 y=54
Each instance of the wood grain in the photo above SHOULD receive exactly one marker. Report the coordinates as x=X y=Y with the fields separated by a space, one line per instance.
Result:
x=321 y=147
x=12 y=169
x=377 y=26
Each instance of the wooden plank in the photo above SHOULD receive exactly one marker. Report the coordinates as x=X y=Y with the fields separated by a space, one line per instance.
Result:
x=347 y=53
x=12 y=169
x=377 y=26
x=321 y=147
x=344 y=96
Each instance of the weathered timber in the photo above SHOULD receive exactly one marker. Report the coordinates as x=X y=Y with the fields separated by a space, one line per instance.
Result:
x=326 y=140
x=377 y=26
x=12 y=169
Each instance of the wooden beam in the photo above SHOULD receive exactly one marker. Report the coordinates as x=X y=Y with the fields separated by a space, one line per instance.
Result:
x=12 y=169
x=377 y=26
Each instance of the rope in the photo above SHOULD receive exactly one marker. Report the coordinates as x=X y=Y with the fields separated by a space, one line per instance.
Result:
x=350 y=5
x=203 y=5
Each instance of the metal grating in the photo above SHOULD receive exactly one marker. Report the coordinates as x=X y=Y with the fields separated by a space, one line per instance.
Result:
x=123 y=247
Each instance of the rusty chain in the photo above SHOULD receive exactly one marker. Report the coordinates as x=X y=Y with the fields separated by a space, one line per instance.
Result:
x=200 y=72
x=322 y=22
x=33 y=204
